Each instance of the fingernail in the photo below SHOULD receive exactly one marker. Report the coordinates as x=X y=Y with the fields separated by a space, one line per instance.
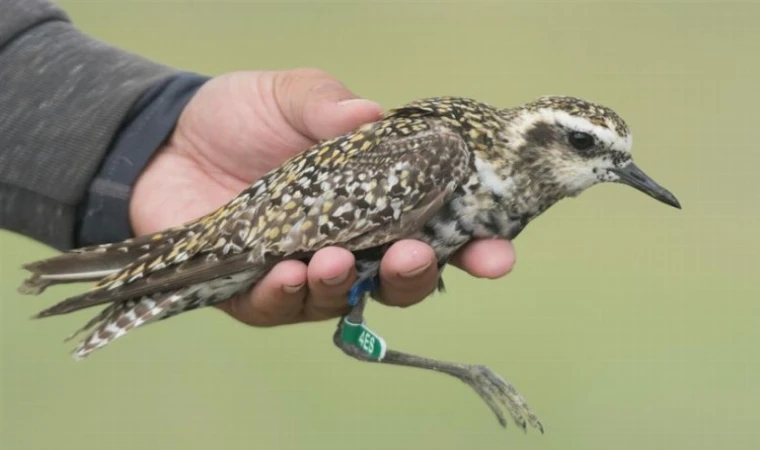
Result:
x=335 y=280
x=292 y=289
x=358 y=101
x=416 y=271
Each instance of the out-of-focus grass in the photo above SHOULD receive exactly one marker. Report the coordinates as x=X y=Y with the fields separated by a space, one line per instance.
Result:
x=626 y=324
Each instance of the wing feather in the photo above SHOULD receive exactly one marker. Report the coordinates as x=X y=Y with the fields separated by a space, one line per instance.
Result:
x=353 y=192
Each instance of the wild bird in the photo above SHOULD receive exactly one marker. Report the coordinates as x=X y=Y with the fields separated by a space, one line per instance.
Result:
x=441 y=170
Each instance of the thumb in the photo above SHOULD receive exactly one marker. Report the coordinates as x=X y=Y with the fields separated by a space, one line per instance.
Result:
x=319 y=106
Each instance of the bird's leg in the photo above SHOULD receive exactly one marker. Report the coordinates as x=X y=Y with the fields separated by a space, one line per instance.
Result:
x=358 y=341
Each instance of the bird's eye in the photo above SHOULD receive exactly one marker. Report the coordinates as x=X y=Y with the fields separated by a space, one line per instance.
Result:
x=581 y=140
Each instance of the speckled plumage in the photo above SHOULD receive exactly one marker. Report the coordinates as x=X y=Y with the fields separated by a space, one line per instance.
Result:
x=360 y=191
x=441 y=170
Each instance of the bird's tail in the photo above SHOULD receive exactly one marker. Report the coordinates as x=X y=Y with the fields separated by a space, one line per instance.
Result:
x=124 y=312
x=91 y=263
x=119 y=318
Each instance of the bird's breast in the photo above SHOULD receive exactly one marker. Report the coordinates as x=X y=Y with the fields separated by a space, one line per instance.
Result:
x=463 y=218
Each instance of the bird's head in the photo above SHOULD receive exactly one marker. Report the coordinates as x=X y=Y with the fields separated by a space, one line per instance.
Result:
x=573 y=144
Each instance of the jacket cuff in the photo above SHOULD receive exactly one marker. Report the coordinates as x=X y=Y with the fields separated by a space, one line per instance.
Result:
x=104 y=214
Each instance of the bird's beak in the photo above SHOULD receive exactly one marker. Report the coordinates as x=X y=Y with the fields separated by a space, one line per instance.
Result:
x=631 y=175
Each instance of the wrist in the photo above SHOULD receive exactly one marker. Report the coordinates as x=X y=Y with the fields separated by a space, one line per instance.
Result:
x=105 y=212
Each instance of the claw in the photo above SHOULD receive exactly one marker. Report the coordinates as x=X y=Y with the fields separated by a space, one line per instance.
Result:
x=488 y=398
x=498 y=395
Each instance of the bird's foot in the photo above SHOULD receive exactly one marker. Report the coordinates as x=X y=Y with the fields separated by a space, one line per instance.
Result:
x=356 y=340
x=499 y=395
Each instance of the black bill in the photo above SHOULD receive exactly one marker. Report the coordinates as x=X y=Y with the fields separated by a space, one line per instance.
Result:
x=635 y=177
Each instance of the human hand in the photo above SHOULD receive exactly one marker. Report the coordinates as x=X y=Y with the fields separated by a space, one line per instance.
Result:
x=238 y=127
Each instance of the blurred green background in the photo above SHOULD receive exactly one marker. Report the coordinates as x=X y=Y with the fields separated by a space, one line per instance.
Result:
x=626 y=324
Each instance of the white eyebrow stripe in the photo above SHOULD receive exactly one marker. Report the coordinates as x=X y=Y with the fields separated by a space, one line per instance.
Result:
x=609 y=137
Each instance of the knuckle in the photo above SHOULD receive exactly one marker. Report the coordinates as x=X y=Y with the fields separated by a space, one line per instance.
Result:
x=273 y=310
x=267 y=316
x=404 y=298
x=316 y=80
x=309 y=72
x=304 y=80
x=318 y=313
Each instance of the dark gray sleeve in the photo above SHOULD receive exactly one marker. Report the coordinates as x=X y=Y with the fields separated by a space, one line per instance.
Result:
x=63 y=98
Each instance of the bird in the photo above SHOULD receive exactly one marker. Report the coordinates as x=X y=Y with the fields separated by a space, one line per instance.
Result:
x=443 y=170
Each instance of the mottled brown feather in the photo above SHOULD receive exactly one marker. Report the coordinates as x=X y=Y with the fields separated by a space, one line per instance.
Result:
x=289 y=215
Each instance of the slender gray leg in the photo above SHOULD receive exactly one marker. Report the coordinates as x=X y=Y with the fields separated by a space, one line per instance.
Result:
x=493 y=389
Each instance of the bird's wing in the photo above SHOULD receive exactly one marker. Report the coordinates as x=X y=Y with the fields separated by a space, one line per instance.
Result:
x=358 y=191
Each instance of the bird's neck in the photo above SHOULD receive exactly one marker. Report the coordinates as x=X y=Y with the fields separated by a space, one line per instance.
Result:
x=509 y=197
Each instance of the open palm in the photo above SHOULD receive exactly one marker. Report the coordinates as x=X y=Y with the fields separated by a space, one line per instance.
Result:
x=238 y=127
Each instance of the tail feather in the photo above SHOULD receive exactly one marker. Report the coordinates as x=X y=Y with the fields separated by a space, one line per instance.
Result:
x=119 y=318
x=91 y=263
x=181 y=288
x=103 y=315
x=71 y=268
x=37 y=283
x=123 y=316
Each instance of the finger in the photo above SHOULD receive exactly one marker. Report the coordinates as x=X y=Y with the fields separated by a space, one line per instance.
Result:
x=330 y=275
x=486 y=258
x=319 y=106
x=408 y=273
x=276 y=300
